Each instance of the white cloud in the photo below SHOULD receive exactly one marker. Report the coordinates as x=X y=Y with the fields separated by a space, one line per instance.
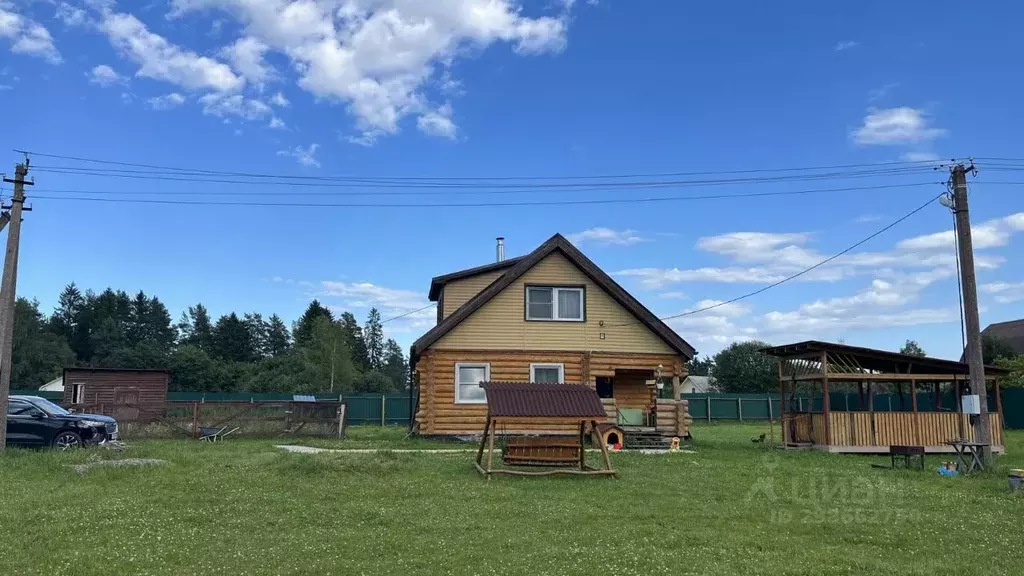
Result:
x=867 y=218
x=1004 y=292
x=780 y=255
x=246 y=56
x=167 y=101
x=26 y=35
x=369 y=295
x=223 y=105
x=71 y=16
x=845 y=45
x=276 y=123
x=305 y=156
x=600 y=235
x=881 y=92
x=5 y=87
x=159 y=59
x=279 y=100
x=920 y=157
x=105 y=76
x=377 y=57
x=903 y=125
x=437 y=122
x=674 y=295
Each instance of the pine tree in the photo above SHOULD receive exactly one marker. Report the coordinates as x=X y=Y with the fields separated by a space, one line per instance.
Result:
x=353 y=335
x=196 y=329
x=278 y=339
x=373 y=334
x=303 y=330
x=258 y=333
x=395 y=366
x=64 y=320
x=232 y=340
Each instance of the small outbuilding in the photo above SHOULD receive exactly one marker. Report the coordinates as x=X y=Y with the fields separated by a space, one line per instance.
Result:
x=811 y=372
x=130 y=395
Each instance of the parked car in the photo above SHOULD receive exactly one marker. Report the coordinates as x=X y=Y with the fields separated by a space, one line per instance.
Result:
x=35 y=421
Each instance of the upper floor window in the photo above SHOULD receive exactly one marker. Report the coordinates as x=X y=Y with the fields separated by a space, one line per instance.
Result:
x=559 y=303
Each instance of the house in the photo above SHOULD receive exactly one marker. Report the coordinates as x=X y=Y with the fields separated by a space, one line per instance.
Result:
x=1009 y=333
x=55 y=385
x=698 y=385
x=126 y=394
x=549 y=316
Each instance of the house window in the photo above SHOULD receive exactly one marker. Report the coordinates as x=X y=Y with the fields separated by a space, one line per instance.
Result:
x=555 y=303
x=547 y=373
x=467 y=383
x=78 y=393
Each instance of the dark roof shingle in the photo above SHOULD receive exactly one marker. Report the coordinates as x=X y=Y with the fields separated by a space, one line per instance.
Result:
x=528 y=399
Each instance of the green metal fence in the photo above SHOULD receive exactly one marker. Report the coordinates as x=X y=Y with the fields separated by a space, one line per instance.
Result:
x=710 y=407
x=395 y=408
x=380 y=409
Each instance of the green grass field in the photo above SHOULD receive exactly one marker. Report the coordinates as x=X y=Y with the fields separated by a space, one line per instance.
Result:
x=243 y=507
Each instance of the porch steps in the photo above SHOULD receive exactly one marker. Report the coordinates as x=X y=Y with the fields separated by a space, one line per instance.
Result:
x=645 y=440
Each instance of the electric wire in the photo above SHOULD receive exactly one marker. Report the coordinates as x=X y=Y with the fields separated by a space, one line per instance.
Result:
x=591 y=201
x=801 y=272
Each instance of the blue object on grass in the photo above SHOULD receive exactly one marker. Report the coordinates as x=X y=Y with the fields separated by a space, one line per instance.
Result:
x=947 y=471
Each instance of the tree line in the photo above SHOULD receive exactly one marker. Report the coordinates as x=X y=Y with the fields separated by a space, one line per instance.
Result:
x=743 y=368
x=321 y=352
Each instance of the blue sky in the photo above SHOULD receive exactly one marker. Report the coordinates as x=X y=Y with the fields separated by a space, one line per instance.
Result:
x=397 y=88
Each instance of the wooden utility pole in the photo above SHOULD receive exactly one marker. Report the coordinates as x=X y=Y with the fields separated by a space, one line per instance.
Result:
x=982 y=427
x=8 y=287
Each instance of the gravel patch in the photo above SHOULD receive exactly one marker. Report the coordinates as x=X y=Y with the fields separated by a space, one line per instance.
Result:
x=125 y=463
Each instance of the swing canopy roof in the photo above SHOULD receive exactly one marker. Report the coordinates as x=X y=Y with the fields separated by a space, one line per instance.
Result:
x=536 y=400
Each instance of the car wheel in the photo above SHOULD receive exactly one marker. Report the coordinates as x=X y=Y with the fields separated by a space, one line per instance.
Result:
x=67 y=441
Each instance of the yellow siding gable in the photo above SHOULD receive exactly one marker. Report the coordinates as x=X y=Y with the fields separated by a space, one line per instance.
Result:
x=500 y=324
x=459 y=292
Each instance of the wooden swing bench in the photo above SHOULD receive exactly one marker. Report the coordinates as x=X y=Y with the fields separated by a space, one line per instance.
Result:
x=518 y=403
x=542 y=452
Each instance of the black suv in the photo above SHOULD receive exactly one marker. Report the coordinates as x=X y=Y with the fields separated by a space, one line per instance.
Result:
x=35 y=421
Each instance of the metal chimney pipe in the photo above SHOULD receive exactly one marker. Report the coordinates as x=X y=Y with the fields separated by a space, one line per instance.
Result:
x=501 y=248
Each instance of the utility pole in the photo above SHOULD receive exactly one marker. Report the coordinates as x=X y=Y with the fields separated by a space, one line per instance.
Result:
x=8 y=288
x=982 y=427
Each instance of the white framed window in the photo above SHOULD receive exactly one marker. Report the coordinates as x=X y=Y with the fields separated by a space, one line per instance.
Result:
x=555 y=303
x=547 y=373
x=468 y=377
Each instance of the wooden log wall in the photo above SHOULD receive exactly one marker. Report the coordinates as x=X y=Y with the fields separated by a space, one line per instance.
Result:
x=439 y=414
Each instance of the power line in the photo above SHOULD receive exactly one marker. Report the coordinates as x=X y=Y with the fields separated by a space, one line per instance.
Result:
x=919 y=163
x=802 y=272
x=512 y=188
x=485 y=204
x=431 y=305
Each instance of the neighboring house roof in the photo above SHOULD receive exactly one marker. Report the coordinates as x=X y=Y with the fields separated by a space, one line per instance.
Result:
x=55 y=385
x=528 y=399
x=438 y=282
x=1010 y=333
x=556 y=243
x=699 y=384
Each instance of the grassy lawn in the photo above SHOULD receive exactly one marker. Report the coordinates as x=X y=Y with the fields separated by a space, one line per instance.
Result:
x=243 y=507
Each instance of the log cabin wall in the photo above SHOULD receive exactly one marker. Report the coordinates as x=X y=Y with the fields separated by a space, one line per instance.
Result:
x=439 y=414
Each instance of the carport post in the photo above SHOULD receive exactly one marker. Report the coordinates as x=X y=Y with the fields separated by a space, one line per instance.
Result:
x=739 y=407
x=383 y=408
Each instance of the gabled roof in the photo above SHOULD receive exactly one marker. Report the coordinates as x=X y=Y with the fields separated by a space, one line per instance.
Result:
x=438 y=282
x=529 y=399
x=556 y=243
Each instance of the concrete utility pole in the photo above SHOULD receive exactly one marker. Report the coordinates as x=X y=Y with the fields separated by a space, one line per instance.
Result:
x=982 y=428
x=8 y=288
